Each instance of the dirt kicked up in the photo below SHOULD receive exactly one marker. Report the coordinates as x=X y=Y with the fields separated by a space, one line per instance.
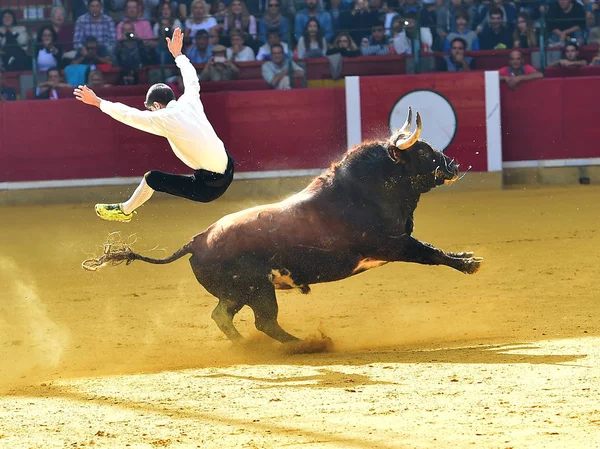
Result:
x=422 y=357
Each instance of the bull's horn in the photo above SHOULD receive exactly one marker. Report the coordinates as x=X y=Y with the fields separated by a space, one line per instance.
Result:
x=404 y=144
x=405 y=129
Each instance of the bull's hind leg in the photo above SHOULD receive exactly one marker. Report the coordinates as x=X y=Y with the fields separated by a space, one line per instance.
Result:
x=223 y=315
x=263 y=303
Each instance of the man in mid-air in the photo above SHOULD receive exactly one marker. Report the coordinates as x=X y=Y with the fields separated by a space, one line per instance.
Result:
x=191 y=136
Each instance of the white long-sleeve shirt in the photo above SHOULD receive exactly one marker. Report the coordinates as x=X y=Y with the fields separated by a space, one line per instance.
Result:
x=183 y=123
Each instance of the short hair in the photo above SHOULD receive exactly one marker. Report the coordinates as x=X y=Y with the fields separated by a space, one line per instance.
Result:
x=159 y=93
x=571 y=44
x=201 y=33
x=277 y=46
x=461 y=13
x=459 y=39
x=53 y=69
x=89 y=39
x=496 y=10
x=91 y=1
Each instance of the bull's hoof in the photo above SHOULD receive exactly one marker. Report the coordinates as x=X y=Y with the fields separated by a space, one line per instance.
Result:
x=310 y=345
x=472 y=265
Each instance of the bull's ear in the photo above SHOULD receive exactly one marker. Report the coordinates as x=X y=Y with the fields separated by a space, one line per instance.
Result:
x=399 y=156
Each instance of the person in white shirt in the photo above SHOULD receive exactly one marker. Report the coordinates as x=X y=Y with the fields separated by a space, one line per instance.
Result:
x=191 y=136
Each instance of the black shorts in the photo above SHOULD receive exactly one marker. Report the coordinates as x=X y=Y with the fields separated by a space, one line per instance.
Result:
x=203 y=186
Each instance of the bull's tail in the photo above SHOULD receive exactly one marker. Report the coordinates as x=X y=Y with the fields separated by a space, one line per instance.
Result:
x=116 y=252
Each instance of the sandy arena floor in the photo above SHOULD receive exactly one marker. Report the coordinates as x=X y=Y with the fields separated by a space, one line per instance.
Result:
x=424 y=357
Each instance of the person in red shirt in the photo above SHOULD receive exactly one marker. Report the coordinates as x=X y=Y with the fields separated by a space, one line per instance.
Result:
x=516 y=72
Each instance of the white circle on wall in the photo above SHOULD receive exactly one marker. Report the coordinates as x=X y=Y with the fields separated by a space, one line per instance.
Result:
x=437 y=115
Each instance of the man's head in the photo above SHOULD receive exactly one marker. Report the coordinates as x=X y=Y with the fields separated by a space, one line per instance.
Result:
x=277 y=53
x=377 y=33
x=128 y=29
x=515 y=60
x=158 y=97
x=496 y=18
x=410 y=19
x=91 y=44
x=54 y=75
x=95 y=8
x=273 y=37
x=571 y=51
x=131 y=9
x=202 y=39
x=565 y=5
x=311 y=5
x=461 y=19
x=457 y=47
x=57 y=15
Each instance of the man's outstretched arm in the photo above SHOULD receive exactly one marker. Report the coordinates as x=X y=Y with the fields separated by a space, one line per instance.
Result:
x=188 y=72
x=142 y=120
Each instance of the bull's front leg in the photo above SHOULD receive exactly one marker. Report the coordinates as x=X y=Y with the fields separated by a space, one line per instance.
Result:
x=409 y=249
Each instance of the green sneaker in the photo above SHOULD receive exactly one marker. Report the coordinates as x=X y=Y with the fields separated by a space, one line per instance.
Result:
x=113 y=212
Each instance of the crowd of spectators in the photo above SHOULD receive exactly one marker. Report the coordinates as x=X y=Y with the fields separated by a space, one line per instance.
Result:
x=77 y=46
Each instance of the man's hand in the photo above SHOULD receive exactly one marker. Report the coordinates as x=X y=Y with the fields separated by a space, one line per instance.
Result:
x=87 y=95
x=176 y=43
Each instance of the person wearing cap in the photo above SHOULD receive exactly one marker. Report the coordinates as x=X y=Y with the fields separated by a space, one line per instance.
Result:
x=184 y=124
x=219 y=68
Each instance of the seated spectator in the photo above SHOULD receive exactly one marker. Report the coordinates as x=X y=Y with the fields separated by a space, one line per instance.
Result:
x=97 y=25
x=516 y=72
x=470 y=37
x=314 y=11
x=495 y=35
x=6 y=93
x=591 y=33
x=565 y=20
x=141 y=28
x=345 y=46
x=48 y=90
x=312 y=43
x=456 y=61
x=273 y=37
x=48 y=52
x=92 y=54
x=199 y=20
x=166 y=22
x=219 y=68
x=570 y=57
x=525 y=35
x=273 y=20
x=202 y=51
x=446 y=22
x=96 y=79
x=376 y=44
x=14 y=42
x=358 y=21
x=403 y=42
x=238 y=51
x=276 y=71
x=64 y=33
x=131 y=53
x=238 y=18
x=509 y=14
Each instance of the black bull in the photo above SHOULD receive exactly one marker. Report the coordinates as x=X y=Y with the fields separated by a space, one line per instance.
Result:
x=357 y=215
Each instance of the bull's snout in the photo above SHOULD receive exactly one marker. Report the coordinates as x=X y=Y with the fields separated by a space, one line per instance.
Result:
x=448 y=172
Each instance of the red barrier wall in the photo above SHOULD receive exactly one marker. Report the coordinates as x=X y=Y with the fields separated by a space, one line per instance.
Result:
x=550 y=119
x=43 y=140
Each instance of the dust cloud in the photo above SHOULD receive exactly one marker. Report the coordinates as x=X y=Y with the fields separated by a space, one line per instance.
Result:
x=31 y=343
